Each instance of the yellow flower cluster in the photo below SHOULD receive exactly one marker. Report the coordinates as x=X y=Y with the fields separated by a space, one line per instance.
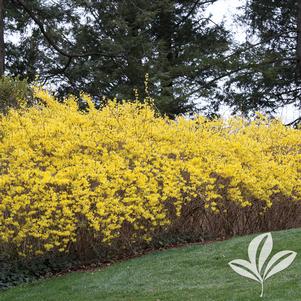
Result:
x=63 y=171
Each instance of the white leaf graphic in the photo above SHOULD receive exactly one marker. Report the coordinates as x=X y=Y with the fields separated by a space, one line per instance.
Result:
x=283 y=264
x=245 y=269
x=253 y=248
x=250 y=269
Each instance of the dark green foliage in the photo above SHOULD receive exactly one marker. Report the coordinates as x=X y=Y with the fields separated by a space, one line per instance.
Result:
x=12 y=90
x=106 y=48
x=172 y=41
x=32 y=54
x=16 y=271
x=265 y=66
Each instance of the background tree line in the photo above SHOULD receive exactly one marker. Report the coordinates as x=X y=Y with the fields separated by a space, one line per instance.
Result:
x=106 y=48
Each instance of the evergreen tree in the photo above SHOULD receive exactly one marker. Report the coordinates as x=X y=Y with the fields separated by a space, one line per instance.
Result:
x=173 y=41
x=265 y=73
x=107 y=47
x=39 y=28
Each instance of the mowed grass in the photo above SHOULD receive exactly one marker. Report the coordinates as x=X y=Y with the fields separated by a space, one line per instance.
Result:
x=196 y=272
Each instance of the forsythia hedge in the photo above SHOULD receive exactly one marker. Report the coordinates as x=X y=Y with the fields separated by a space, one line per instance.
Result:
x=64 y=172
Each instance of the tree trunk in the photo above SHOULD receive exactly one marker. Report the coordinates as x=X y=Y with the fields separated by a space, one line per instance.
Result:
x=298 y=50
x=134 y=69
x=166 y=56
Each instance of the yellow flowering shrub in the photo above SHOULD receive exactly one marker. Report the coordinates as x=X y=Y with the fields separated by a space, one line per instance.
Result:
x=123 y=169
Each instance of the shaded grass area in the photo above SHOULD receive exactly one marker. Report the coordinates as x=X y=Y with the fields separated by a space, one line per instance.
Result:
x=195 y=272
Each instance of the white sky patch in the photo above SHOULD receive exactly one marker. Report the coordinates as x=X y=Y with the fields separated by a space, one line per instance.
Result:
x=224 y=8
x=224 y=11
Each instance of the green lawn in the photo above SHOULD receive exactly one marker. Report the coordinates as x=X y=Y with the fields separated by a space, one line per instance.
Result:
x=197 y=272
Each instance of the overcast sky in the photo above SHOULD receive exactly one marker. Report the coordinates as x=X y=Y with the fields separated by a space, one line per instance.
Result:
x=223 y=8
